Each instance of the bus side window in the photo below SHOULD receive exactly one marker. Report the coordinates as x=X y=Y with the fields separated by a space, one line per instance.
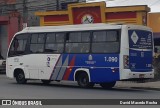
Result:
x=54 y=43
x=105 y=41
x=37 y=43
x=15 y=44
x=78 y=42
x=67 y=37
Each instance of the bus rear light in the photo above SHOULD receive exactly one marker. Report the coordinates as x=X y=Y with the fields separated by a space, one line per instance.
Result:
x=126 y=61
x=114 y=70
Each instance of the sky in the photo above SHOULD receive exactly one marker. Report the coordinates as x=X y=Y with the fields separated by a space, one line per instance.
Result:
x=153 y=4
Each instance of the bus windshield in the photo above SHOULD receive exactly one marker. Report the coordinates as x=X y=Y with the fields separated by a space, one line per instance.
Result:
x=140 y=39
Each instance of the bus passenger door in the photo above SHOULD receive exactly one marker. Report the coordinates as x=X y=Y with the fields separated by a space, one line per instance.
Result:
x=32 y=63
x=43 y=73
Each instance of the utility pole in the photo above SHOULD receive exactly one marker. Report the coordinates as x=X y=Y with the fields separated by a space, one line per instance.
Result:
x=25 y=14
x=25 y=11
x=57 y=4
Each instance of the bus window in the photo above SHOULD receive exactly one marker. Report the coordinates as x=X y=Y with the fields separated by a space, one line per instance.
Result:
x=105 y=42
x=19 y=45
x=37 y=43
x=78 y=42
x=54 y=42
x=112 y=36
x=16 y=44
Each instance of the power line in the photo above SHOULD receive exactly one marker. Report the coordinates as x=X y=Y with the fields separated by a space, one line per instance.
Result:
x=27 y=2
x=44 y=6
x=25 y=8
x=155 y=3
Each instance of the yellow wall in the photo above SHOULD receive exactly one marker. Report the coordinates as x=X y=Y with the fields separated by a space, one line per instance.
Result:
x=154 y=21
x=140 y=18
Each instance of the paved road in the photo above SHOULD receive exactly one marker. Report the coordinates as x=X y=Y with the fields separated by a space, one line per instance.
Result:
x=62 y=90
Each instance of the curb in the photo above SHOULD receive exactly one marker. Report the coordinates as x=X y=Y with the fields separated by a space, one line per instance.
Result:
x=146 y=88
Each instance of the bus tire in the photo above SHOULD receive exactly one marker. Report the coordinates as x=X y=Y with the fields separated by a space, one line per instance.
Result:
x=20 y=77
x=46 y=81
x=108 y=85
x=83 y=81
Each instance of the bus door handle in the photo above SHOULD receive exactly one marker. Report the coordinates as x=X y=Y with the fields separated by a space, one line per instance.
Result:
x=27 y=65
x=20 y=63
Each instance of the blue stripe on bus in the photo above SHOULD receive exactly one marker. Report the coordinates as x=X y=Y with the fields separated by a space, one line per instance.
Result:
x=100 y=66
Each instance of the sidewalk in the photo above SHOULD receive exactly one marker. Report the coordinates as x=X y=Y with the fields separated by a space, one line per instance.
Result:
x=147 y=85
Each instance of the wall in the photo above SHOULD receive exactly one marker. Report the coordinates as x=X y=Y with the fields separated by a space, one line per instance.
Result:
x=3 y=40
x=9 y=25
x=31 y=6
x=154 y=23
x=79 y=13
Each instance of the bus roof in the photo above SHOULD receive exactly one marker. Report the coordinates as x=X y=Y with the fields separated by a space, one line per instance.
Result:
x=79 y=27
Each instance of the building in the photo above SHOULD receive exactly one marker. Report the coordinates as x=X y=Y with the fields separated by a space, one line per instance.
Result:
x=16 y=14
x=80 y=13
x=27 y=8
x=154 y=23
x=9 y=21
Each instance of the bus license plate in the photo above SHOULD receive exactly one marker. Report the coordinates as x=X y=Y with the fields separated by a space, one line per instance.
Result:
x=141 y=75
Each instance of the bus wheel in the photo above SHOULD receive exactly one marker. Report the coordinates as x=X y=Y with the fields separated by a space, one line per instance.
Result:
x=20 y=78
x=45 y=81
x=83 y=81
x=108 y=85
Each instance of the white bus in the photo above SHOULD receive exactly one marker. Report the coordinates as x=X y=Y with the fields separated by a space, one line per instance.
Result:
x=89 y=54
